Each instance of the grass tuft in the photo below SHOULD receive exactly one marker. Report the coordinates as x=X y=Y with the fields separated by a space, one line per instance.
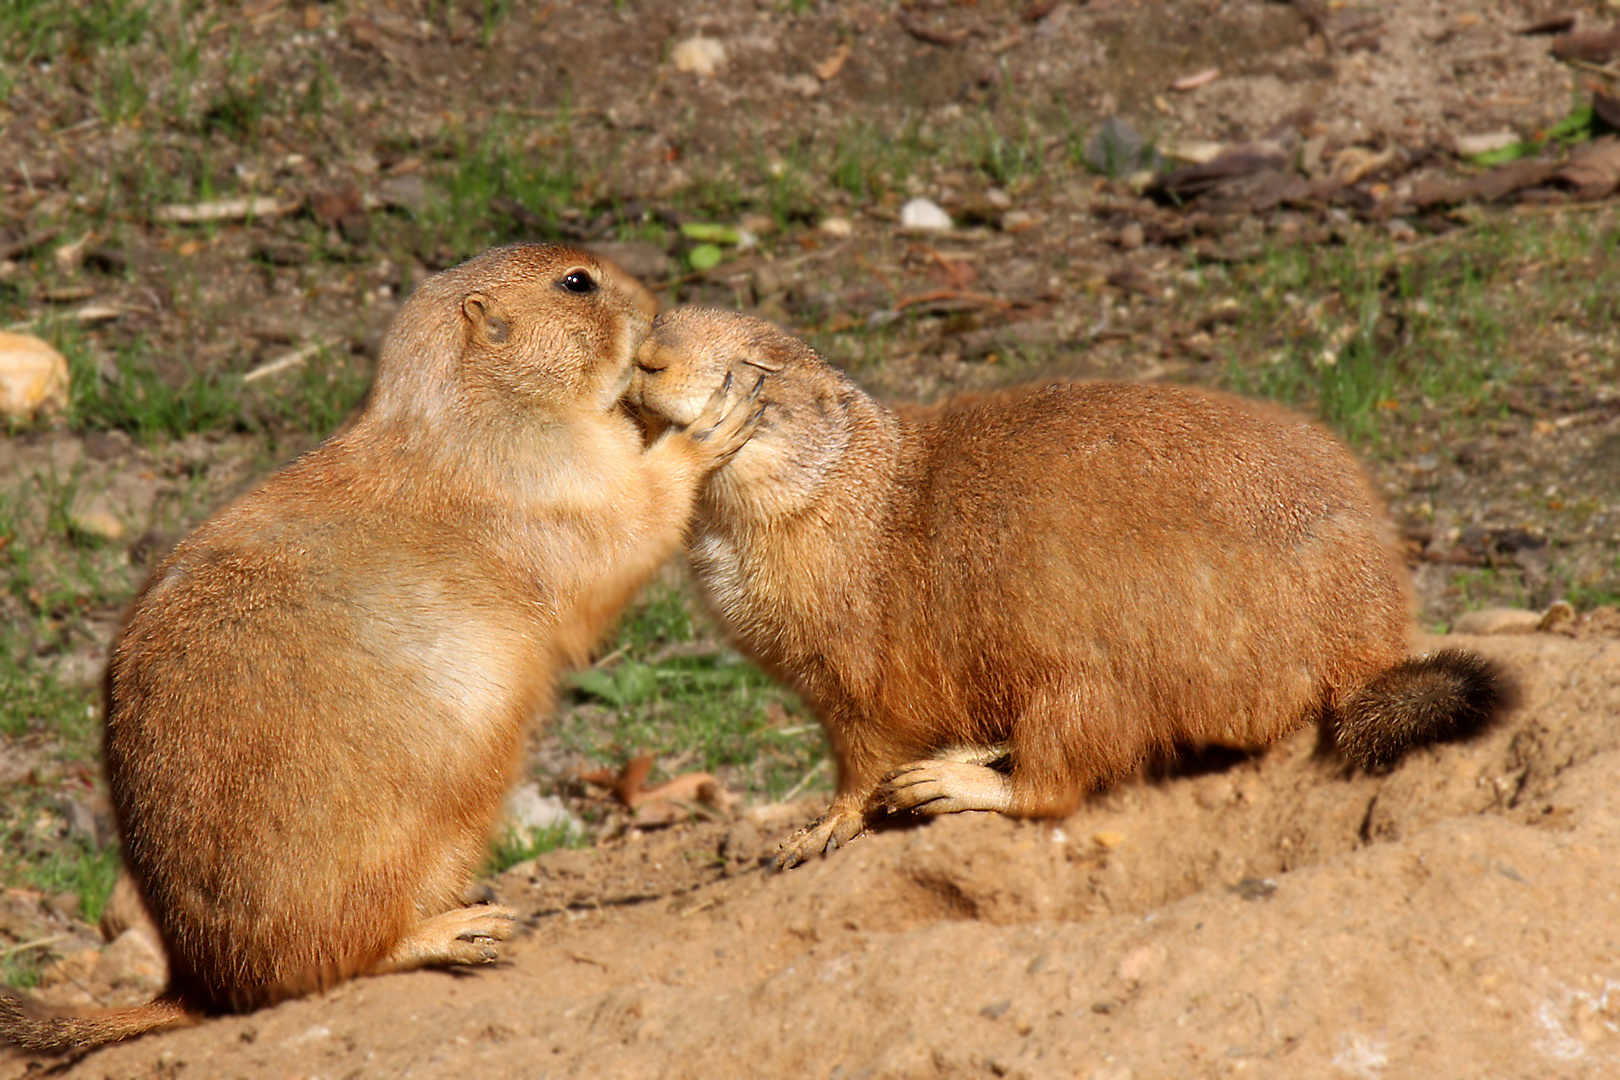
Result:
x=669 y=689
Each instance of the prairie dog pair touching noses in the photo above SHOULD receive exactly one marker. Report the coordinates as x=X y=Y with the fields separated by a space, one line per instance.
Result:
x=1078 y=573
x=317 y=702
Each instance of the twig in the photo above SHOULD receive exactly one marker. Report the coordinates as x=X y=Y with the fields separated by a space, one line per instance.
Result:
x=37 y=943
x=226 y=210
x=90 y=313
x=290 y=360
x=1596 y=69
x=28 y=243
x=955 y=294
x=804 y=781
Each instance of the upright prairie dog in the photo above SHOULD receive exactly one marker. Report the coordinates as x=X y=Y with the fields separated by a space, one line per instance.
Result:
x=1080 y=573
x=316 y=704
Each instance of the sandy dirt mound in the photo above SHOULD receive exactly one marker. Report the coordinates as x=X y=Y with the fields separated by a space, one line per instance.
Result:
x=1276 y=917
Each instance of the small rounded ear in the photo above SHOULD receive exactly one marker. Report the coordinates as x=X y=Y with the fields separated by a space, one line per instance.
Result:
x=492 y=327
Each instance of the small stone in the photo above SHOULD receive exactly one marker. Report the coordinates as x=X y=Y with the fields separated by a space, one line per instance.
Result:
x=1116 y=149
x=1139 y=963
x=1253 y=888
x=132 y=961
x=73 y=968
x=526 y=808
x=837 y=226
x=1194 y=152
x=1132 y=236
x=22 y=919
x=924 y=215
x=805 y=86
x=98 y=525
x=33 y=377
x=1108 y=840
x=1016 y=221
x=700 y=56
x=63 y=905
x=1474 y=145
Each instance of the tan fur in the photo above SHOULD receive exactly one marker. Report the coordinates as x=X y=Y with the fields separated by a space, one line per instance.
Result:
x=317 y=702
x=1085 y=572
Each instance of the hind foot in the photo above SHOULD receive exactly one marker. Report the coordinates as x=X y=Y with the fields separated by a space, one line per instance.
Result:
x=844 y=820
x=459 y=936
x=944 y=787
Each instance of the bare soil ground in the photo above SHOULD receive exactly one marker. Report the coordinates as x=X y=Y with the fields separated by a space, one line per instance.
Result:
x=1272 y=916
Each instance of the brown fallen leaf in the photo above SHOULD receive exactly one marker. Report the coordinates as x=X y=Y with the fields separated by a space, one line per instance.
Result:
x=829 y=68
x=918 y=27
x=1355 y=163
x=343 y=208
x=1558 y=24
x=629 y=787
x=1193 y=82
x=1039 y=9
x=675 y=801
x=1133 y=278
x=956 y=274
x=626 y=784
x=1234 y=162
x=1606 y=108
x=1487 y=187
x=1593 y=169
x=1592 y=46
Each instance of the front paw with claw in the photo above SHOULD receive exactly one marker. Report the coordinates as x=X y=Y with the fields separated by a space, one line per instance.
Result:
x=831 y=831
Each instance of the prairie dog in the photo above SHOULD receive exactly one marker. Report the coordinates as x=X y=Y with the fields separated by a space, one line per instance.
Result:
x=1079 y=572
x=317 y=702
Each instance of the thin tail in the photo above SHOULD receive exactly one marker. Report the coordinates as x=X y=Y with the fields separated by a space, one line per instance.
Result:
x=59 y=1034
x=1442 y=697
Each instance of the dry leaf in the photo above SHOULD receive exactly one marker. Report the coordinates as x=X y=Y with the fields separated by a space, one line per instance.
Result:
x=1592 y=46
x=1593 y=169
x=829 y=68
x=1193 y=82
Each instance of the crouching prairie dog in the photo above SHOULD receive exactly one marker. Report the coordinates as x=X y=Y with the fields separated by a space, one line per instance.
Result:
x=317 y=702
x=1079 y=573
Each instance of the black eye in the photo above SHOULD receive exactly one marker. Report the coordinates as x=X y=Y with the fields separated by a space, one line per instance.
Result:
x=578 y=281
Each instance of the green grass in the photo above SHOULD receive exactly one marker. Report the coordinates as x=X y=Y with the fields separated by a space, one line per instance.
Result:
x=1006 y=158
x=665 y=690
x=80 y=868
x=1365 y=340
x=126 y=393
x=48 y=566
x=517 y=845
x=52 y=865
x=35 y=30
x=132 y=397
x=870 y=161
x=51 y=575
x=35 y=700
x=511 y=161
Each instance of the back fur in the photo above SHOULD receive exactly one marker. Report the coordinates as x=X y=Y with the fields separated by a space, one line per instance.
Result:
x=1087 y=572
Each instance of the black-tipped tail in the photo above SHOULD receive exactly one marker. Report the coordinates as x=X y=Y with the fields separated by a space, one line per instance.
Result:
x=1442 y=697
x=59 y=1034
